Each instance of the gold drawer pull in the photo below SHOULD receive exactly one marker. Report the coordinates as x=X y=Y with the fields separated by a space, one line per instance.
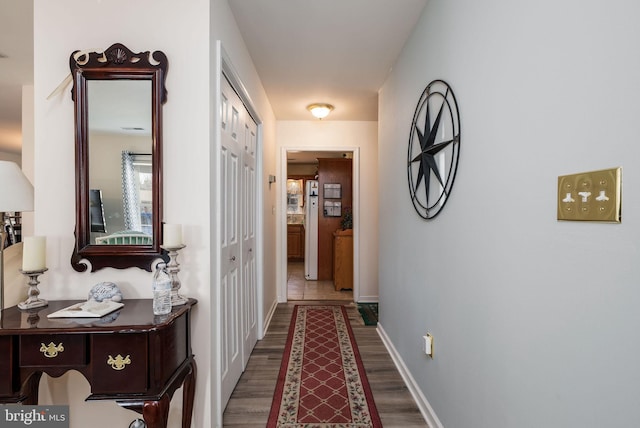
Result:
x=51 y=350
x=118 y=363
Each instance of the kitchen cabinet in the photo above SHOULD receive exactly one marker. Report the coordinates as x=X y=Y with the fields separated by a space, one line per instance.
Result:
x=295 y=242
x=343 y=259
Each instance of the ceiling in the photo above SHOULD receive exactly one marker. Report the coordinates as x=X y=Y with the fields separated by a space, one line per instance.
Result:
x=331 y=51
x=305 y=51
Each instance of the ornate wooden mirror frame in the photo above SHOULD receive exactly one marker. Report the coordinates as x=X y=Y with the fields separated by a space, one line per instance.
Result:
x=117 y=63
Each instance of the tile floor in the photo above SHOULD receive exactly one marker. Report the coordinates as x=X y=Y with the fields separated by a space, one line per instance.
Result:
x=298 y=288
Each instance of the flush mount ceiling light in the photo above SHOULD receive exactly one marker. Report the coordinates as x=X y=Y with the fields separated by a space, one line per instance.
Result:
x=320 y=110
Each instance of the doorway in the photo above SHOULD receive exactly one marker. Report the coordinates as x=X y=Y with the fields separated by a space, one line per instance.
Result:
x=309 y=254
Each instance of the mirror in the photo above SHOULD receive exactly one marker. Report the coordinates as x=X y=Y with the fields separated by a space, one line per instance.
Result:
x=118 y=122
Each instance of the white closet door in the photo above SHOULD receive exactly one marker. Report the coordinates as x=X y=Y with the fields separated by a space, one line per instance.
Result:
x=249 y=283
x=237 y=246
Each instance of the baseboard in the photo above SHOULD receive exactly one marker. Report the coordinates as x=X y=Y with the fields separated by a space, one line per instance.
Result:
x=268 y=319
x=424 y=406
x=368 y=299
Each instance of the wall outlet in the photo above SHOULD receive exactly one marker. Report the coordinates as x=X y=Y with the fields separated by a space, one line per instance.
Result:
x=428 y=344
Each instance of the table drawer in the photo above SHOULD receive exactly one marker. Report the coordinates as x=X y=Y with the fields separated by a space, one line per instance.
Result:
x=119 y=363
x=53 y=350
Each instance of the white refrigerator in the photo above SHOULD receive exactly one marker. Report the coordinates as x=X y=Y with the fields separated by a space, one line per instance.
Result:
x=311 y=231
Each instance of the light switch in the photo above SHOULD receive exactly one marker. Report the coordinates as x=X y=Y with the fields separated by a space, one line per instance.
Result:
x=590 y=196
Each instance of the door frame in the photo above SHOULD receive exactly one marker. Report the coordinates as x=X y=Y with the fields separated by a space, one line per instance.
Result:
x=282 y=220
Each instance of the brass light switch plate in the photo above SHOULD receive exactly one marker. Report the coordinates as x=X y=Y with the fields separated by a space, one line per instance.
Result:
x=590 y=196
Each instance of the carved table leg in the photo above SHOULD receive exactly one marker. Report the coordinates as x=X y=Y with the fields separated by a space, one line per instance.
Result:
x=188 y=394
x=156 y=413
x=30 y=389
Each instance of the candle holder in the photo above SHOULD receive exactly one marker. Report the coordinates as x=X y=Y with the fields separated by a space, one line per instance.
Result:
x=33 y=301
x=173 y=268
x=34 y=318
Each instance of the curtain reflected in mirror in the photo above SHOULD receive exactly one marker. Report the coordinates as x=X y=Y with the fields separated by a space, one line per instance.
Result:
x=120 y=144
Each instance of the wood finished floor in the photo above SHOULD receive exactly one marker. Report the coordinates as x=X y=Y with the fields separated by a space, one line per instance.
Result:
x=250 y=402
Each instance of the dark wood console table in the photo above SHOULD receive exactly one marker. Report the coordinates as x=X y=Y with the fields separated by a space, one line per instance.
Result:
x=129 y=356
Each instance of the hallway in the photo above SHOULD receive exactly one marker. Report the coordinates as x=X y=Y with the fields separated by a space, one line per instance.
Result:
x=251 y=400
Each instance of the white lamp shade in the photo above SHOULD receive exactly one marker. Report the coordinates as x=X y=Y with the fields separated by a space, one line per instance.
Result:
x=16 y=191
x=320 y=111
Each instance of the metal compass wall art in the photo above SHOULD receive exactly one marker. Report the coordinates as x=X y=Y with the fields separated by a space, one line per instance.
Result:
x=434 y=149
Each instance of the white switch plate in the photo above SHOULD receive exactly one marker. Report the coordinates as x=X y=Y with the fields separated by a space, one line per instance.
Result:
x=591 y=196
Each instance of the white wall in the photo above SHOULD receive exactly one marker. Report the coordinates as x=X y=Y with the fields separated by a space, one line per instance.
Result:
x=338 y=135
x=27 y=149
x=534 y=320
x=181 y=31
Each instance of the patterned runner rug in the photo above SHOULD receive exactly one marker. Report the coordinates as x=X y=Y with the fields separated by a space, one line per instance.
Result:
x=322 y=382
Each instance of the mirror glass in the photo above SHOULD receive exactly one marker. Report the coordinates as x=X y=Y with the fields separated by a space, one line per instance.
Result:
x=120 y=162
x=118 y=98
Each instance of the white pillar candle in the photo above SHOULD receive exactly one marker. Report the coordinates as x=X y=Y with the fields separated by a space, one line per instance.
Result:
x=172 y=236
x=34 y=253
